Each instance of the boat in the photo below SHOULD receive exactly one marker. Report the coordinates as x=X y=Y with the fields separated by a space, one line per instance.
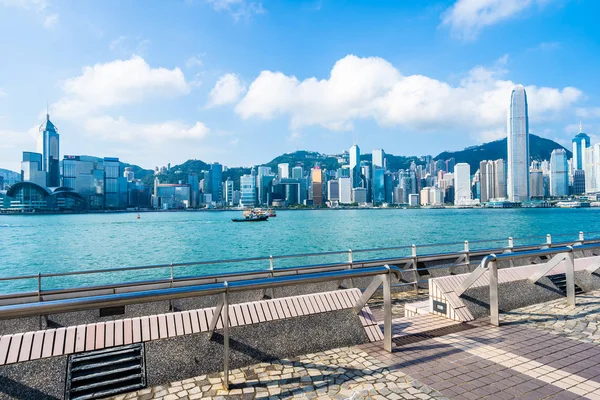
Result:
x=251 y=218
x=260 y=211
x=138 y=216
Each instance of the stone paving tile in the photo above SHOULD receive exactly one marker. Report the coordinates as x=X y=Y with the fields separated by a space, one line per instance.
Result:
x=347 y=373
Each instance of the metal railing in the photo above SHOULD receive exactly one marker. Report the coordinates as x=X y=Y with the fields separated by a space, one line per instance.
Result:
x=381 y=275
x=408 y=263
x=565 y=254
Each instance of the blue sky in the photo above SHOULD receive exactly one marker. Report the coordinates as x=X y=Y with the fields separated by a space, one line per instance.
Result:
x=242 y=81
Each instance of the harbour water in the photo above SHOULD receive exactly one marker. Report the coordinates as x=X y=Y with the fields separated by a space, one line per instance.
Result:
x=63 y=243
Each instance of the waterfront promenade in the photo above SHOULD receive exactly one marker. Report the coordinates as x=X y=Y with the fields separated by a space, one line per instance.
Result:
x=545 y=351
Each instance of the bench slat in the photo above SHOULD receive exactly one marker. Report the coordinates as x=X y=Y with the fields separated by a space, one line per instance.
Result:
x=259 y=312
x=48 y=343
x=4 y=346
x=266 y=310
x=90 y=337
x=70 y=340
x=247 y=314
x=281 y=312
x=187 y=323
x=239 y=315
x=195 y=321
x=109 y=333
x=26 y=347
x=253 y=314
x=202 y=315
x=290 y=306
x=15 y=348
x=154 y=331
x=145 y=323
x=317 y=304
x=349 y=299
x=127 y=331
x=119 y=332
x=308 y=304
x=178 y=323
x=36 y=347
x=79 y=338
x=171 y=324
x=100 y=335
x=273 y=309
x=136 y=326
x=60 y=342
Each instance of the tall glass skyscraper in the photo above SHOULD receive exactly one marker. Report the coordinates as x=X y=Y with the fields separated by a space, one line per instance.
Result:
x=518 y=146
x=49 y=147
x=559 y=173
x=355 y=171
x=580 y=142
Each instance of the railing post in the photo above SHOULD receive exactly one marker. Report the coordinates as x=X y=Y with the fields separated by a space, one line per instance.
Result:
x=272 y=271
x=467 y=256
x=350 y=266
x=511 y=246
x=570 y=275
x=39 y=294
x=226 y=337
x=415 y=264
x=494 y=314
x=387 y=311
x=350 y=259
x=581 y=238
x=549 y=239
x=172 y=278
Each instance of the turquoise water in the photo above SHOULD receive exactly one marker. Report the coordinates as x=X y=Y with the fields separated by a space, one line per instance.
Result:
x=61 y=243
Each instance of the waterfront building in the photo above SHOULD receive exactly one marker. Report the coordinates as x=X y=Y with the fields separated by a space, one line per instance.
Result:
x=264 y=185
x=591 y=168
x=559 y=179
x=228 y=192
x=365 y=177
x=398 y=196
x=499 y=179
x=389 y=187
x=579 y=182
x=169 y=196
x=48 y=146
x=317 y=186
x=283 y=171
x=413 y=200
x=378 y=185
x=378 y=159
x=518 y=146
x=115 y=195
x=462 y=184
x=581 y=141
x=32 y=168
x=236 y=198
x=194 y=183
x=345 y=188
x=359 y=195
x=486 y=186
x=129 y=174
x=333 y=190
x=297 y=172
x=424 y=196
x=344 y=172
x=263 y=170
x=31 y=197
x=355 y=170
x=247 y=190
x=536 y=185
x=216 y=178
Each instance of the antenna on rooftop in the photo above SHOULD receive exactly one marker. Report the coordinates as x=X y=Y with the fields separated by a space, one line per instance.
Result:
x=580 y=127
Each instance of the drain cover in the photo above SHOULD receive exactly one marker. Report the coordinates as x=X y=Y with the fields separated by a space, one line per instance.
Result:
x=103 y=373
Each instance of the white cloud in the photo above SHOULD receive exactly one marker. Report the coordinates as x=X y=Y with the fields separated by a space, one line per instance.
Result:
x=120 y=129
x=466 y=18
x=2 y=93
x=50 y=21
x=40 y=7
x=239 y=9
x=588 y=112
x=116 y=83
x=193 y=61
x=227 y=90
x=372 y=88
x=13 y=143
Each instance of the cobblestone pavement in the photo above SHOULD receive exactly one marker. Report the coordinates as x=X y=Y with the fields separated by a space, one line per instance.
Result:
x=581 y=322
x=346 y=373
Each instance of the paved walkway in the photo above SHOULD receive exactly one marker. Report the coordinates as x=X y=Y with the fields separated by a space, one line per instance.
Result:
x=546 y=351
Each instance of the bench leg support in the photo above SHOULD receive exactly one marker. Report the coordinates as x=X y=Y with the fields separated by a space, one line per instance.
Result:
x=226 y=340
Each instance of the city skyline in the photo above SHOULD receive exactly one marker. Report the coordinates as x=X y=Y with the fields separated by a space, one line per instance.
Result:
x=221 y=83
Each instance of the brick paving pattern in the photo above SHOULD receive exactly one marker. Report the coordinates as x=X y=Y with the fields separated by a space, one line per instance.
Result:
x=339 y=374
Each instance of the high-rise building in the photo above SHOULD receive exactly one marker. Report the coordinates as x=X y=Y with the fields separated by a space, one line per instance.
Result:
x=579 y=182
x=518 y=146
x=345 y=188
x=592 y=168
x=32 y=168
x=378 y=159
x=317 y=186
x=112 y=185
x=450 y=163
x=499 y=179
x=216 y=178
x=389 y=187
x=355 y=170
x=129 y=174
x=536 y=185
x=333 y=190
x=194 y=183
x=247 y=190
x=486 y=183
x=581 y=141
x=49 y=146
x=378 y=185
x=283 y=171
x=359 y=195
x=462 y=184
x=297 y=172
x=559 y=178
x=228 y=192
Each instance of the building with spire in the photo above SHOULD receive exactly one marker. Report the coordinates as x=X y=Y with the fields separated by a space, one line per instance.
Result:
x=355 y=171
x=581 y=141
x=49 y=147
x=518 y=146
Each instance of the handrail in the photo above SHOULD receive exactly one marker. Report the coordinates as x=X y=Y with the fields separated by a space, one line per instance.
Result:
x=252 y=259
x=488 y=264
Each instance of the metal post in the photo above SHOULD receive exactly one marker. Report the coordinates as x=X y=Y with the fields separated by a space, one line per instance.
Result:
x=39 y=295
x=494 y=315
x=350 y=266
x=548 y=239
x=226 y=338
x=415 y=264
x=511 y=245
x=581 y=239
x=272 y=269
x=172 y=277
x=570 y=275
x=350 y=259
x=467 y=256
x=387 y=311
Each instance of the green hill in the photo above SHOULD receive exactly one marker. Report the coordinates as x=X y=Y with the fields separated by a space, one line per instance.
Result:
x=539 y=149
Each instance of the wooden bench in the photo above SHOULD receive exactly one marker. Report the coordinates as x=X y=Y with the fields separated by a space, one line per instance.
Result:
x=28 y=346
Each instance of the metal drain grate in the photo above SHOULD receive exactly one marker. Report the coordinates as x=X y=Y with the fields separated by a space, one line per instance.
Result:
x=560 y=281
x=103 y=373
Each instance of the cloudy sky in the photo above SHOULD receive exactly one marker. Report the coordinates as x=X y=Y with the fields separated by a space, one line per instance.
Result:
x=242 y=81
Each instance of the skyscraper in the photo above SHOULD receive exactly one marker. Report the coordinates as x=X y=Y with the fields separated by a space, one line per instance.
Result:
x=283 y=170
x=518 y=146
x=216 y=180
x=581 y=141
x=559 y=178
x=355 y=171
x=462 y=184
x=499 y=179
x=49 y=147
x=378 y=159
x=317 y=186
